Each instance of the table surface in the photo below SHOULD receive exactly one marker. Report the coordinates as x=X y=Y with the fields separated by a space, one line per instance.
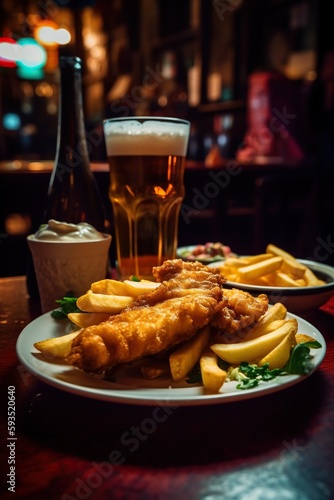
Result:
x=279 y=446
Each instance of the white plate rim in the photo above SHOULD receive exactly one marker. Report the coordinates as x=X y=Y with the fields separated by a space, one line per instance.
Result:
x=67 y=378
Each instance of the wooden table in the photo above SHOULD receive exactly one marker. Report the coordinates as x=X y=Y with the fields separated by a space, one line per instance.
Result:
x=278 y=446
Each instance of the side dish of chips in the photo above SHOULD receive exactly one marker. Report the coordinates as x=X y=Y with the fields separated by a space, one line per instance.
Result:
x=275 y=267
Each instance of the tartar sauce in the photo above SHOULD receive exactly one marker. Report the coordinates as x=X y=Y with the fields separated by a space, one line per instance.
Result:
x=64 y=231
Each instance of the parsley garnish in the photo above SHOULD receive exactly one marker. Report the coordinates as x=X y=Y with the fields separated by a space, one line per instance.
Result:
x=255 y=373
x=68 y=304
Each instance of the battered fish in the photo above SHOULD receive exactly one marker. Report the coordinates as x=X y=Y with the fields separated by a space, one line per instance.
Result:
x=237 y=312
x=186 y=301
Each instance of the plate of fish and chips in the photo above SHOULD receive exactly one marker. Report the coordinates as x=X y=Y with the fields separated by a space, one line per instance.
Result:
x=202 y=361
x=302 y=285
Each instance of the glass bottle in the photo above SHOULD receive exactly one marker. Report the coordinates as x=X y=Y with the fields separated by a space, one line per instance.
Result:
x=73 y=194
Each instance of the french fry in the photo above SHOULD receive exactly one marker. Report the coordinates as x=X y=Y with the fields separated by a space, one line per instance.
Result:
x=277 y=311
x=311 y=278
x=282 y=279
x=98 y=302
x=260 y=281
x=279 y=356
x=251 y=350
x=109 y=287
x=253 y=271
x=57 y=347
x=259 y=330
x=87 y=319
x=213 y=376
x=293 y=268
x=136 y=288
x=281 y=253
x=186 y=356
x=253 y=259
x=235 y=262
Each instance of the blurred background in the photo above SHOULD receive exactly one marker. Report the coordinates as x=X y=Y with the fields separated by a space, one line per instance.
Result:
x=254 y=77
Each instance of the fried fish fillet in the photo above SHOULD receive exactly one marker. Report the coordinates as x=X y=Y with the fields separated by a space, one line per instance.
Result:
x=180 y=279
x=185 y=301
x=238 y=311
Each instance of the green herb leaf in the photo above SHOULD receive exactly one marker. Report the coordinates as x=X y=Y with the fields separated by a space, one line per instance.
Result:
x=254 y=374
x=300 y=362
x=248 y=384
x=68 y=304
x=58 y=314
x=261 y=372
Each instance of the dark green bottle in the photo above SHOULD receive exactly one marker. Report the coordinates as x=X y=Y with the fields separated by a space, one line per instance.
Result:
x=73 y=194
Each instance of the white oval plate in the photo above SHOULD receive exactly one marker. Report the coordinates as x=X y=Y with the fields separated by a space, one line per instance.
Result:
x=61 y=375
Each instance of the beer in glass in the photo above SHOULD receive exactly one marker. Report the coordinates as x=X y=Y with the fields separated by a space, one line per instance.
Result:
x=146 y=158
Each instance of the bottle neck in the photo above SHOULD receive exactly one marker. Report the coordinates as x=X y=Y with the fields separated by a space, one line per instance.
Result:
x=71 y=141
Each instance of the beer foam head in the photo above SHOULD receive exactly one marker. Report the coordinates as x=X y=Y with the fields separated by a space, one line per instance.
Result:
x=151 y=137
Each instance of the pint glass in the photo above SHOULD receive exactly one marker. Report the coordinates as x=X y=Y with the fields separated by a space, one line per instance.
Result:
x=146 y=158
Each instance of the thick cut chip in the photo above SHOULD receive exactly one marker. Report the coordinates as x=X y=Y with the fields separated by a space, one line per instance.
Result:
x=57 y=347
x=293 y=268
x=279 y=356
x=213 y=376
x=276 y=312
x=136 y=288
x=98 y=302
x=253 y=259
x=109 y=287
x=281 y=253
x=311 y=279
x=87 y=319
x=259 y=330
x=186 y=356
x=261 y=268
x=282 y=280
x=252 y=350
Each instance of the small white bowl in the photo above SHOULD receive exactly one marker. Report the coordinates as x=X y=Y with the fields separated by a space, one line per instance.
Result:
x=298 y=300
x=183 y=253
